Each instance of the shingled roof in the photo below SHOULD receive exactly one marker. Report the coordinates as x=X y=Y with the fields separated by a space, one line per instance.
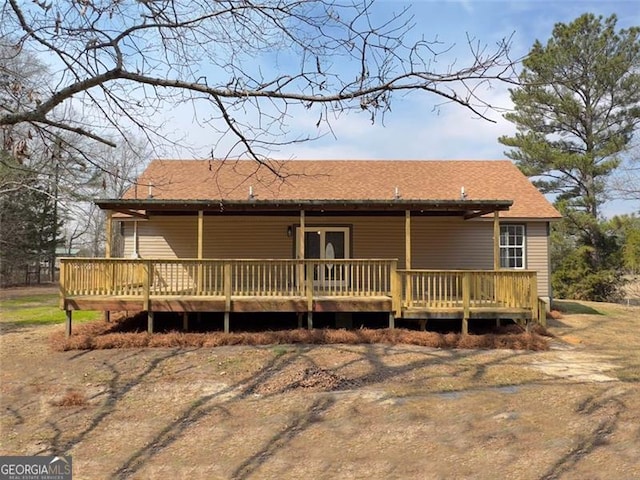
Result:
x=344 y=180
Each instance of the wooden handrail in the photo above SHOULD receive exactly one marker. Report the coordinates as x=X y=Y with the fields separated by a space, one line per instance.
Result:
x=306 y=278
x=218 y=277
x=466 y=289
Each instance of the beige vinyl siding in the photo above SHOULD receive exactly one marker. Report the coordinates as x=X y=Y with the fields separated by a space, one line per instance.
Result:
x=246 y=237
x=538 y=254
x=266 y=237
x=451 y=243
x=164 y=237
x=437 y=242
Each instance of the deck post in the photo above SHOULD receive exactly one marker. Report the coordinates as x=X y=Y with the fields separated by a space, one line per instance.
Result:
x=496 y=240
x=63 y=284
x=542 y=312
x=535 y=313
x=396 y=289
x=185 y=321
x=108 y=234
x=423 y=325
x=67 y=325
x=300 y=315
x=150 y=321
x=466 y=301
x=226 y=322
x=309 y=293
x=392 y=321
x=146 y=284
x=227 y=295
x=407 y=254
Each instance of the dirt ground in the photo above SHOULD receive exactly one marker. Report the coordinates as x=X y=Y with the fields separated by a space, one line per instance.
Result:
x=333 y=411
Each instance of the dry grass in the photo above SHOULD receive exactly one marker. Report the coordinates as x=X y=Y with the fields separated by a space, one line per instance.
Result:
x=102 y=335
x=72 y=398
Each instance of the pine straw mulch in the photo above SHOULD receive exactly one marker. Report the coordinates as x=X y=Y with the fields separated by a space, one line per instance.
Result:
x=100 y=335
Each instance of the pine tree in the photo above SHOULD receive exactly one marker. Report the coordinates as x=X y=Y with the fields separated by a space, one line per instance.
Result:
x=576 y=110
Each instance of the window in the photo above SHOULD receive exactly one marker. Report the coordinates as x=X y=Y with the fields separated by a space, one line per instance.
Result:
x=512 y=246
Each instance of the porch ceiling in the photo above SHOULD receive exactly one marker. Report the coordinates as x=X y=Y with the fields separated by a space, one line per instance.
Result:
x=463 y=208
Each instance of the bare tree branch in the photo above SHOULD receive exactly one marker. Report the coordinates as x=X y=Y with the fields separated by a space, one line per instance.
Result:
x=242 y=64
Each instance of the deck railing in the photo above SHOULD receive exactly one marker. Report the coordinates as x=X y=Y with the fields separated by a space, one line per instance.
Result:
x=310 y=278
x=237 y=277
x=449 y=289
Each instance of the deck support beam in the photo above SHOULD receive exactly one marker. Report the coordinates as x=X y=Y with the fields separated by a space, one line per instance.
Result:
x=67 y=324
x=392 y=321
x=185 y=321
x=226 y=322
x=300 y=317
x=309 y=320
x=150 y=321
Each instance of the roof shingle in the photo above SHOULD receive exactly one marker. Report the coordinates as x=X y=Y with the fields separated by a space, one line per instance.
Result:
x=345 y=180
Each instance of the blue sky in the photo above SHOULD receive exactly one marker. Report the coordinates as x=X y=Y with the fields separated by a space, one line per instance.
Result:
x=418 y=127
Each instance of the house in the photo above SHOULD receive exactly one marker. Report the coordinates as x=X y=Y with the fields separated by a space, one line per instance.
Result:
x=415 y=239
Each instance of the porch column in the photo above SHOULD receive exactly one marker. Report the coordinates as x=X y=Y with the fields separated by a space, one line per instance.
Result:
x=306 y=286
x=135 y=253
x=108 y=234
x=496 y=240
x=301 y=236
x=200 y=232
x=107 y=254
x=407 y=254
x=199 y=252
x=407 y=239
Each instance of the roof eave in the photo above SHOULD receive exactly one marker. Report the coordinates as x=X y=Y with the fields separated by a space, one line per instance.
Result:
x=468 y=208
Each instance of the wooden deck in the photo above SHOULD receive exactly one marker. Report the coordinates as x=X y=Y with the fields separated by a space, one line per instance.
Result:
x=300 y=286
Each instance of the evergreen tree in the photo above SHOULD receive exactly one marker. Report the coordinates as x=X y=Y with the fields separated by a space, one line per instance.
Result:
x=576 y=110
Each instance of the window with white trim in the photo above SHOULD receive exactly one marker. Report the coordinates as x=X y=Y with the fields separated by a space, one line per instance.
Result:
x=512 y=246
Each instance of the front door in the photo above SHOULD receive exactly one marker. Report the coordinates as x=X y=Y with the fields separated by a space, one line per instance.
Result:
x=327 y=243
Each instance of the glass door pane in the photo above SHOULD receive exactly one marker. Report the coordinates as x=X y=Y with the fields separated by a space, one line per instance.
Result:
x=312 y=244
x=334 y=247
